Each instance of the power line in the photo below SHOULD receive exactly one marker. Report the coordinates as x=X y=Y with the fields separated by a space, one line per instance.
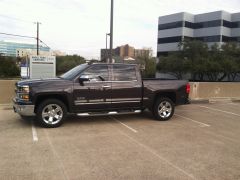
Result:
x=16 y=19
x=17 y=35
x=24 y=37
x=44 y=43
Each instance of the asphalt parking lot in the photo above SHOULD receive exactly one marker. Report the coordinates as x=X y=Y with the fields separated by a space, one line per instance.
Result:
x=202 y=141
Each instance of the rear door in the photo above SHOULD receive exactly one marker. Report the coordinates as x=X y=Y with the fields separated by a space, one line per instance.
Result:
x=126 y=87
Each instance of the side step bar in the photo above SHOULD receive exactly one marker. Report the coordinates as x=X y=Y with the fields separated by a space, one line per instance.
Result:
x=109 y=113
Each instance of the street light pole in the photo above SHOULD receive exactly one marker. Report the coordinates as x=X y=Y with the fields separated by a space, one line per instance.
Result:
x=111 y=32
x=106 y=52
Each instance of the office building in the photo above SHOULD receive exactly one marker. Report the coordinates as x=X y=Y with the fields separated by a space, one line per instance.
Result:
x=214 y=27
x=16 y=49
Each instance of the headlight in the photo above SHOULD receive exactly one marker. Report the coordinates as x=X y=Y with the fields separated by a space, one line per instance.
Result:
x=23 y=92
x=23 y=89
x=24 y=97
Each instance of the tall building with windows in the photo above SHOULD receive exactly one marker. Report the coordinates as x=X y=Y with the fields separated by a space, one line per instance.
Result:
x=214 y=27
x=126 y=52
x=15 y=49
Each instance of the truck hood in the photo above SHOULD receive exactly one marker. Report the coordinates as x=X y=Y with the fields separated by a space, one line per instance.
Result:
x=35 y=82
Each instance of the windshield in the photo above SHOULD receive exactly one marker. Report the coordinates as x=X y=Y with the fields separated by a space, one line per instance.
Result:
x=74 y=72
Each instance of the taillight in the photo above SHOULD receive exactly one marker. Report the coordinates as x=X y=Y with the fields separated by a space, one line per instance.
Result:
x=188 y=88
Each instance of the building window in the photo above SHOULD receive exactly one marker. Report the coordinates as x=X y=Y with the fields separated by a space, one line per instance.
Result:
x=207 y=24
x=170 y=40
x=170 y=25
x=189 y=25
x=209 y=38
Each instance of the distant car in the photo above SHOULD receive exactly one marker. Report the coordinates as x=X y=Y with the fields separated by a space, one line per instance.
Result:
x=98 y=89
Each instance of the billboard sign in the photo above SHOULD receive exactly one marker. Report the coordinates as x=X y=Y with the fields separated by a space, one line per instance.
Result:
x=42 y=67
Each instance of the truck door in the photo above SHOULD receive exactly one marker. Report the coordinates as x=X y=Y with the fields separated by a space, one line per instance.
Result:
x=126 y=87
x=92 y=90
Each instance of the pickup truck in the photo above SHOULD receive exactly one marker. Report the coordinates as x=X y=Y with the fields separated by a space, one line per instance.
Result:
x=92 y=89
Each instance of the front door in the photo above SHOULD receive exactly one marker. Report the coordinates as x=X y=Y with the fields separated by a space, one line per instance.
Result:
x=95 y=92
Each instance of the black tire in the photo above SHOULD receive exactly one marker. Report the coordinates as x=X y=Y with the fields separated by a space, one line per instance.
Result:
x=43 y=109
x=167 y=111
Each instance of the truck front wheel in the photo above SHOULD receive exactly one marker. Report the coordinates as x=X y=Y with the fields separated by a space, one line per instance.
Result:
x=163 y=109
x=51 y=113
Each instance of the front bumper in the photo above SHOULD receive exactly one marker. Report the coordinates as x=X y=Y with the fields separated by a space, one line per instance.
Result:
x=24 y=110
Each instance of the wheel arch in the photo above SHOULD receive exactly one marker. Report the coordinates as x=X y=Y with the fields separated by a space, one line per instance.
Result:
x=42 y=97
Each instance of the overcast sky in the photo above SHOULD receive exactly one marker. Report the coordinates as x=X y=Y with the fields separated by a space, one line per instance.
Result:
x=79 y=26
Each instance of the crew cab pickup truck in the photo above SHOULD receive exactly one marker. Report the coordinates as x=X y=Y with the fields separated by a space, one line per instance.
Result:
x=98 y=89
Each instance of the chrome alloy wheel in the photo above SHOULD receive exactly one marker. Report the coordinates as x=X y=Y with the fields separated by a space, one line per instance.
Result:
x=52 y=114
x=164 y=109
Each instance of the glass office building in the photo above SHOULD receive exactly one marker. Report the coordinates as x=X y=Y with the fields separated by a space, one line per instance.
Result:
x=10 y=48
x=213 y=28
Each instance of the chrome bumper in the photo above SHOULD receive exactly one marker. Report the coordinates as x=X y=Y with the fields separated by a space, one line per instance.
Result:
x=24 y=110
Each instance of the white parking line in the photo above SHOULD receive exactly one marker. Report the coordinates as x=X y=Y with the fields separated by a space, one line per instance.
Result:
x=34 y=133
x=234 y=104
x=227 y=112
x=153 y=152
x=201 y=124
x=61 y=166
x=135 y=131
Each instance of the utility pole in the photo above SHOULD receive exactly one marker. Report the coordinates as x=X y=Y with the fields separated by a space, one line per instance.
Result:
x=37 y=36
x=111 y=32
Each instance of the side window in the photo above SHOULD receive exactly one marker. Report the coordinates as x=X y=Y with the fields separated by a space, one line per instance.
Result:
x=97 y=73
x=124 y=73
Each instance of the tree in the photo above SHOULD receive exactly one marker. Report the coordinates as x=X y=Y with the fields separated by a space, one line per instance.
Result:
x=8 y=67
x=174 y=64
x=65 y=63
x=195 y=57
x=150 y=66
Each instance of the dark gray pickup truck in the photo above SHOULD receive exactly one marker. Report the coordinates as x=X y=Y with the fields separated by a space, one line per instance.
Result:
x=98 y=89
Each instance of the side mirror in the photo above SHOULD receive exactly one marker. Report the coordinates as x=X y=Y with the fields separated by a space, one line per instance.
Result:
x=83 y=78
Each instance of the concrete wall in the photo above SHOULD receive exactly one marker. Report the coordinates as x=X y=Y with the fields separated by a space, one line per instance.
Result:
x=203 y=90
x=7 y=91
x=209 y=90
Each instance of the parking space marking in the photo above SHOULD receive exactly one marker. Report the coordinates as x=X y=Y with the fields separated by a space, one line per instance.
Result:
x=200 y=123
x=134 y=130
x=234 y=104
x=153 y=152
x=61 y=166
x=34 y=133
x=227 y=112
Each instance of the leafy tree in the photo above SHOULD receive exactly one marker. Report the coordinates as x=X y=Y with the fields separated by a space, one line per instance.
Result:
x=65 y=63
x=175 y=64
x=202 y=63
x=8 y=67
x=150 y=66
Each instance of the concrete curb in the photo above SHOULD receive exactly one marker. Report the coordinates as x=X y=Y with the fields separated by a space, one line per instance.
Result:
x=214 y=100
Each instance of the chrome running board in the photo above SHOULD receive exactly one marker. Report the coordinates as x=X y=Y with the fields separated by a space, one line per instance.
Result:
x=109 y=113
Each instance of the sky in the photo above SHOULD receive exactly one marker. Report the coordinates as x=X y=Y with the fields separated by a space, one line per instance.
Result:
x=80 y=26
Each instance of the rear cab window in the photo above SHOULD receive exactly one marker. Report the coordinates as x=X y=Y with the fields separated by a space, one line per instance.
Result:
x=124 y=73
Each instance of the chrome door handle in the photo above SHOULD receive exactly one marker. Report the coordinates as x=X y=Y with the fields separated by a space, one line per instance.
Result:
x=137 y=86
x=106 y=86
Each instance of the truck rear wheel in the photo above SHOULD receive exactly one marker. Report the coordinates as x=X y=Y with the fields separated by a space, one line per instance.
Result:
x=163 y=109
x=51 y=113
